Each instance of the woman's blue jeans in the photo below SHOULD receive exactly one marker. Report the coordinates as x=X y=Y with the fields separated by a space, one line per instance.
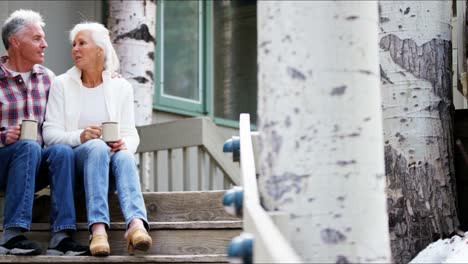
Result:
x=25 y=168
x=99 y=173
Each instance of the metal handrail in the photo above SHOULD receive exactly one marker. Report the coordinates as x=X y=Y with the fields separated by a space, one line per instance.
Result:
x=269 y=246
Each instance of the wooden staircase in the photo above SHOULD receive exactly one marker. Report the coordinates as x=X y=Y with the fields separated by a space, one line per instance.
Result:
x=188 y=227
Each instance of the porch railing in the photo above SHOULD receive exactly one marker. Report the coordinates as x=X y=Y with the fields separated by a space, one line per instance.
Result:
x=185 y=155
x=269 y=243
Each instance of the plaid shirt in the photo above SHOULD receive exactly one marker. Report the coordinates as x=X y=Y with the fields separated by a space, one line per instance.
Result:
x=20 y=101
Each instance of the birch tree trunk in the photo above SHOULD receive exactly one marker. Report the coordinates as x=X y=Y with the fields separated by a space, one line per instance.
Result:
x=321 y=151
x=416 y=77
x=133 y=24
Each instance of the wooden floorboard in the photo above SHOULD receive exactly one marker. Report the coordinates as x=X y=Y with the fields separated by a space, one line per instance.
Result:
x=165 y=242
x=217 y=258
x=160 y=206
x=155 y=225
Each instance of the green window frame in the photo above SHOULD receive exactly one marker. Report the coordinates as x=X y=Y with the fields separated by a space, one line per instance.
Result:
x=179 y=105
x=205 y=85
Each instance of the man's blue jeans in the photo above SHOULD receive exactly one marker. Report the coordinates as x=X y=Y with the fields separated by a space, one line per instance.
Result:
x=98 y=173
x=26 y=168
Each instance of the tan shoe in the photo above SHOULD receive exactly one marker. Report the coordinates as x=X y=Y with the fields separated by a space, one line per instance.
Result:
x=98 y=245
x=138 y=239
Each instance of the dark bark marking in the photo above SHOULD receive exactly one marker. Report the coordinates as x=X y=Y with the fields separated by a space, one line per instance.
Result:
x=140 y=79
x=279 y=185
x=423 y=61
x=336 y=128
x=406 y=11
x=432 y=62
x=150 y=74
x=296 y=110
x=401 y=138
x=365 y=72
x=151 y=55
x=400 y=26
x=343 y=163
x=332 y=236
x=367 y=119
x=383 y=76
x=350 y=18
x=265 y=43
x=287 y=122
x=286 y=38
x=403 y=120
x=340 y=259
x=338 y=90
x=141 y=33
x=384 y=19
x=276 y=142
x=296 y=74
x=416 y=229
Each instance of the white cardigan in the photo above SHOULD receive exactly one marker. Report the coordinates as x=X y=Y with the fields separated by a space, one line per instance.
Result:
x=63 y=109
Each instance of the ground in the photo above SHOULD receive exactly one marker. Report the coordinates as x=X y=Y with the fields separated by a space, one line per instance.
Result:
x=450 y=250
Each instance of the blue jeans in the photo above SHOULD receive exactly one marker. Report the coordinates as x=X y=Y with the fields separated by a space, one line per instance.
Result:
x=99 y=173
x=26 y=168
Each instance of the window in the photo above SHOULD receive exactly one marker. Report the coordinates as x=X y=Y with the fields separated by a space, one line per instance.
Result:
x=207 y=59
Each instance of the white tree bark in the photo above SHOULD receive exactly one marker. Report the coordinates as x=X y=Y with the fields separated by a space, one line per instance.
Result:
x=415 y=57
x=321 y=151
x=133 y=25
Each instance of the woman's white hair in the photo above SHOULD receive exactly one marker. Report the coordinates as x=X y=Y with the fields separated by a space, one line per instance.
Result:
x=101 y=38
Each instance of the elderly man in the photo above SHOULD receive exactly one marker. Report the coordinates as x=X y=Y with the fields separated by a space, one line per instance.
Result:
x=24 y=166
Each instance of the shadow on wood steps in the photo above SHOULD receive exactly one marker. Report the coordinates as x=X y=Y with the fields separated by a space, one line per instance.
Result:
x=186 y=227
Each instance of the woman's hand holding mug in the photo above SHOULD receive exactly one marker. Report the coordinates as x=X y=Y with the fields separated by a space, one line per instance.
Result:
x=116 y=146
x=91 y=132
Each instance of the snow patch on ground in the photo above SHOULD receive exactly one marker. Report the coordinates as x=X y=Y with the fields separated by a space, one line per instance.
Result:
x=450 y=250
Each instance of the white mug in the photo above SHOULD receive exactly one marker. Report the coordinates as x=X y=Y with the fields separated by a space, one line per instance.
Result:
x=110 y=131
x=28 y=129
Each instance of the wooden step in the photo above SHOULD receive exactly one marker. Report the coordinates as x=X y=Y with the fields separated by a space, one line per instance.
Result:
x=169 y=238
x=161 y=207
x=216 y=258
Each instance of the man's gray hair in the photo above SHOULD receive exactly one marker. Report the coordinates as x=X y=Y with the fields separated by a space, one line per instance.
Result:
x=101 y=37
x=17 y=21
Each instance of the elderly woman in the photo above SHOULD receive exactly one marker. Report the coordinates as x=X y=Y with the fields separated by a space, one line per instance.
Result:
x=80 y=100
